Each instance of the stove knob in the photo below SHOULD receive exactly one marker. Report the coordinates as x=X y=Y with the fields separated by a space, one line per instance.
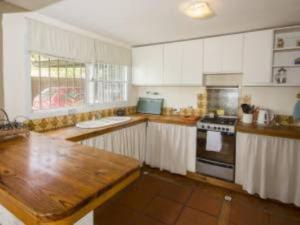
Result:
x=227 y=129
x=223 y=128
x=208 y=126
x=203 y=126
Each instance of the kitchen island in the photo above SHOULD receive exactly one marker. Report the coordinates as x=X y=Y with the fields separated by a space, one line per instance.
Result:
x=49 y=181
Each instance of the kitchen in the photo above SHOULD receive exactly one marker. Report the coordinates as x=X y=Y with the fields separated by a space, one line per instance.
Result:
x=191 y=117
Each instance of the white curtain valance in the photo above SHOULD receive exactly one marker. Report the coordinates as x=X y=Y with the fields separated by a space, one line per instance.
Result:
x=111 y=54
x=51 y=40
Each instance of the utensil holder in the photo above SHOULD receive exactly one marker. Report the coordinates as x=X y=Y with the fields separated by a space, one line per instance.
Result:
x=247 y=118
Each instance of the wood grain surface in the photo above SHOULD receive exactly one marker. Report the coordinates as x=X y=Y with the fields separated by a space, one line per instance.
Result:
x=274 y=131
x=77 y=134
x=46 y=180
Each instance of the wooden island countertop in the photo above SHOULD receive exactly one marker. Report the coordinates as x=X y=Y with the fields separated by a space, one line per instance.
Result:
x=77 y=134
x=48 y=181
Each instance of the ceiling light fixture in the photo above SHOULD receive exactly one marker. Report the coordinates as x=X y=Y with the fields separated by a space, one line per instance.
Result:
x=196 y=9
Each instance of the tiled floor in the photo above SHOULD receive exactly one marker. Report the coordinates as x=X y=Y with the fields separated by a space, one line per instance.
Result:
x=165 y=199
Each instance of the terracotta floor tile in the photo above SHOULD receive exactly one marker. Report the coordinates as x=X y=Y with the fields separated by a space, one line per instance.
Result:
x=164 y=210
x=144 y=220
x=247 y=214
x=176 y=192
x=194 y=217
x=280 y=220
x=150 y=184
x=206 y=201
x=136 y=199
x=279 y=209
x=106 y=215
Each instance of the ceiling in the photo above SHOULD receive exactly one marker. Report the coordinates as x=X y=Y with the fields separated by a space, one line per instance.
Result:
x=139 y=22
x=32 y=4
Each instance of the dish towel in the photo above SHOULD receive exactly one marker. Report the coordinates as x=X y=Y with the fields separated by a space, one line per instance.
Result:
x=214 y=141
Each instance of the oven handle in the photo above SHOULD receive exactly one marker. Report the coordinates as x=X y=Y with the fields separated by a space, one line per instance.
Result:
x=214 y=163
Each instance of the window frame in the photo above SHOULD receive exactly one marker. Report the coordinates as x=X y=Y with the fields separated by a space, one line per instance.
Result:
x=86 y=107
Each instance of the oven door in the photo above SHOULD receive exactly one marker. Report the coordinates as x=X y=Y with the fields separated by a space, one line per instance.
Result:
x=216 y=164
x=227 y=153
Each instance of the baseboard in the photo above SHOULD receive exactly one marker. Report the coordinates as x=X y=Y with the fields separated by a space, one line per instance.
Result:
x=215 y=182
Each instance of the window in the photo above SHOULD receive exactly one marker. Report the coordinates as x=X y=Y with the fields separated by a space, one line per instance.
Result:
x=56 y=83
x=108 y=84
x=60 y=83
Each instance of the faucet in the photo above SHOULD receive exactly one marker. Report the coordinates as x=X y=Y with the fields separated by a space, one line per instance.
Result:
x=97 y=116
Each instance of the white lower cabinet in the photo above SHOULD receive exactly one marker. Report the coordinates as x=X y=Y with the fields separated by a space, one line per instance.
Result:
x=269 y=166
x=171 y=147
x=130 y=141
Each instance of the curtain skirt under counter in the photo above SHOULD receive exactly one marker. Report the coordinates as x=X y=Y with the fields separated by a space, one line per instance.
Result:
x=130 y=141
x=269 y=166
x=171 y=147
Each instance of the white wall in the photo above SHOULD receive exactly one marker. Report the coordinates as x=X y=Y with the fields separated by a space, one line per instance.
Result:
x=16 y=62
x=177 y=97
x=279 y=99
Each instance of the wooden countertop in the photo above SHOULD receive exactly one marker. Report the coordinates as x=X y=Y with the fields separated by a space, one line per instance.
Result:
x=45 y=180
x=274 y=131
x=77 y=134
x=179 y=120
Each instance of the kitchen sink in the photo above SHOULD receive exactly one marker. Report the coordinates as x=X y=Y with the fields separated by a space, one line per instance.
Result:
x=107 y=121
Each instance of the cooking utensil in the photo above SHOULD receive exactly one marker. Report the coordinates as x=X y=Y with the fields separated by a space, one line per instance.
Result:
x=248 y=109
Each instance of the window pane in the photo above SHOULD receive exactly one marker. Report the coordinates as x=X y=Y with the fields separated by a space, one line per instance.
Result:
x=56 y=83
x=108 y=84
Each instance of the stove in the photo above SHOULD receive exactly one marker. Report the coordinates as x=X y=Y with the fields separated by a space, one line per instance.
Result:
x=221 y=124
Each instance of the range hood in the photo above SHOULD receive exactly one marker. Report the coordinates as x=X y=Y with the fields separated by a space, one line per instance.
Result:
x=228 y=80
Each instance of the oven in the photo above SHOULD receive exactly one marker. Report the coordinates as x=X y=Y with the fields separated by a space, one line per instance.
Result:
x=219 y=164
x=216 y=134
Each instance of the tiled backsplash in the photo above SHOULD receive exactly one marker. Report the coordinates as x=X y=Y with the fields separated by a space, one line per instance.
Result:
x=46 y=124
x=51 y=123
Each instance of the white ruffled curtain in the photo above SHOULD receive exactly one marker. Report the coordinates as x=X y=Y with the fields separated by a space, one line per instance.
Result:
x=130 y=141
x=171 y=147
x=269 y=166
x=111 y=54
x=51 y=40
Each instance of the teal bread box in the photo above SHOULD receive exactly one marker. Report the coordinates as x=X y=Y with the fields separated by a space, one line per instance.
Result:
x=150 y=105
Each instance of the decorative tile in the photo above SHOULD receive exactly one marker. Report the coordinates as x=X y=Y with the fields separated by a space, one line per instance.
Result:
x=46 y=124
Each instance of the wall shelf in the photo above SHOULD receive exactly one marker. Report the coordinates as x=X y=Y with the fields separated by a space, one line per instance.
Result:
x=286 y=49
x=286 y=66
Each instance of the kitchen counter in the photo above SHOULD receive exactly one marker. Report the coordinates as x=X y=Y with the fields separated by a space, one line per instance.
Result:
x=46 y=180
x=77 y=134
x=274 y=131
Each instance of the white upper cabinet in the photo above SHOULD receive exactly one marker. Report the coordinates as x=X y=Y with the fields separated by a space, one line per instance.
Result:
x=257 y=67
x=223 y=54
x=172 y=63
x=192 y=62
x=147 y=65
x=232 y=55
x=213 y=55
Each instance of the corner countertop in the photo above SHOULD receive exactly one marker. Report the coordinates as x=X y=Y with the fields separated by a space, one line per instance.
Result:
x=274 y=131
x=46 y=180
x=77 y=134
